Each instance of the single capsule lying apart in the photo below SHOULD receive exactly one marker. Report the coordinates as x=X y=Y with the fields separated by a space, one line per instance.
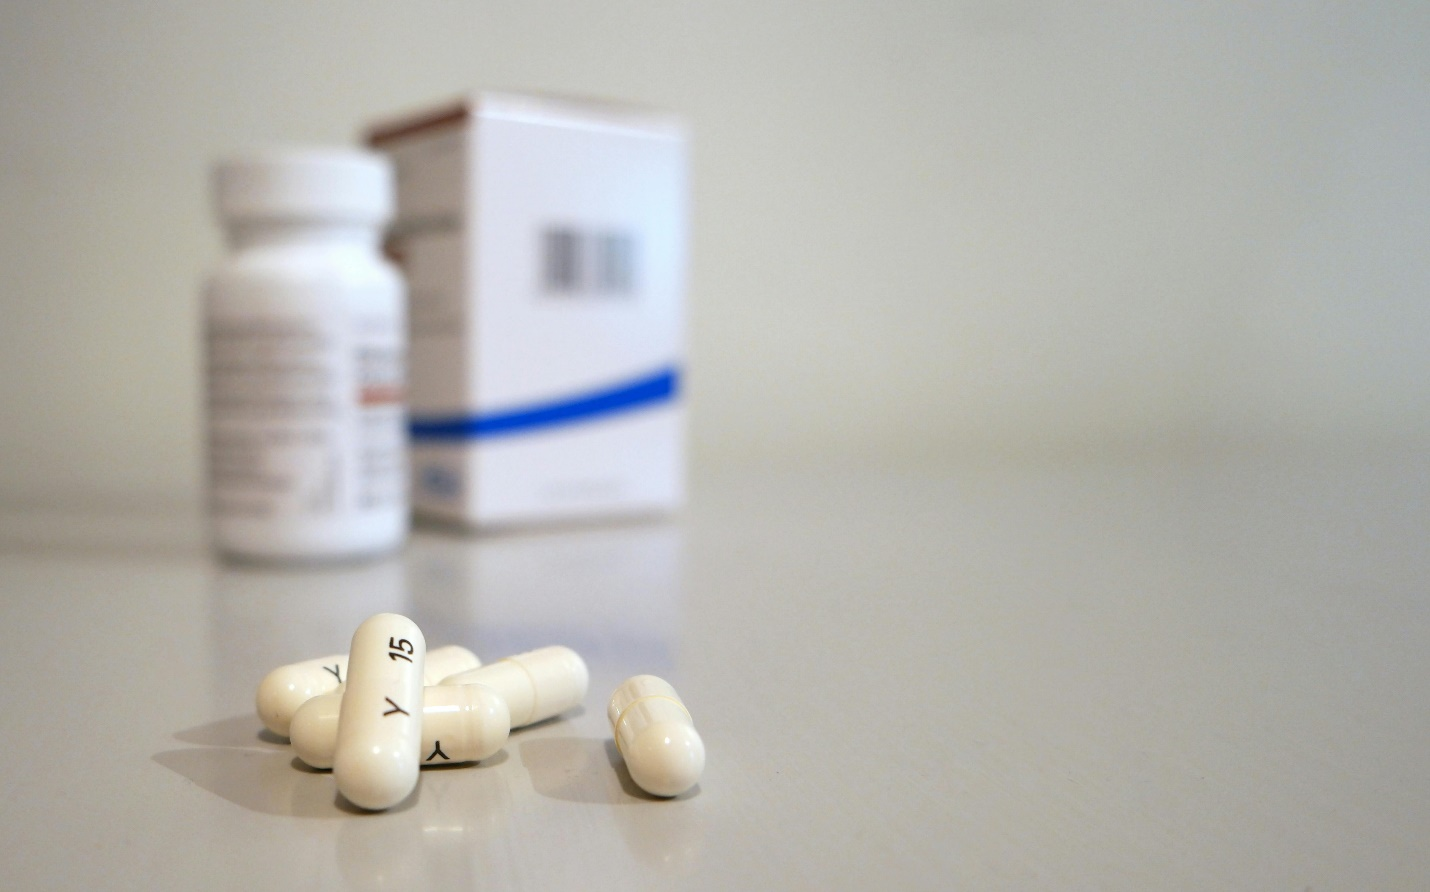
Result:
x=536 y=685
x=656 y=736
x=377 y=753
x=460 y=723
x=286 y=688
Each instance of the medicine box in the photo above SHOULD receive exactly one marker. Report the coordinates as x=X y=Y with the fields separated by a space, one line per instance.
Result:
x=544 y=244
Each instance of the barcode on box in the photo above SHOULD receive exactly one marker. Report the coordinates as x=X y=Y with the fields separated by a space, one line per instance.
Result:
x=576 y=262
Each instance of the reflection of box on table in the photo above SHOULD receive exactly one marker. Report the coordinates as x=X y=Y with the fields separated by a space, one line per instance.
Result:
x=544 y=245
x=611 y=592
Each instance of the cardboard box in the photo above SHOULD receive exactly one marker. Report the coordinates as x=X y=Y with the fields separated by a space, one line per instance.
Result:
x=544 y=242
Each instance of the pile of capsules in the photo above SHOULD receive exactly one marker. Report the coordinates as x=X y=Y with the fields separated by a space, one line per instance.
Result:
x=390 y=706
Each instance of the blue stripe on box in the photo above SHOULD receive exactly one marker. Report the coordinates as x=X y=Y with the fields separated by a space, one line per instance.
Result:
x=628 y=396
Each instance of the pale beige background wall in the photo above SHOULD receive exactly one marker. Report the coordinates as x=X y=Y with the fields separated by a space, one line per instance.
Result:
x=924 y=233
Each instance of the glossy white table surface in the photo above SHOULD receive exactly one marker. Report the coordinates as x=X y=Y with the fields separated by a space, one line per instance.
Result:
x=1199 y=675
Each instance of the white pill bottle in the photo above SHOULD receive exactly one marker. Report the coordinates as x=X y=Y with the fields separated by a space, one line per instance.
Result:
x=305 y=345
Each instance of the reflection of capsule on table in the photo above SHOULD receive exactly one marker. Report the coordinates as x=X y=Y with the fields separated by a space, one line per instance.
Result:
x=447 y=840
x=669 y=837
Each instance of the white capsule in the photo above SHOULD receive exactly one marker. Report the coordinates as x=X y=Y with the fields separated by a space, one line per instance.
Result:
x=380 y=726
x=460 y=723
x=286 y=688
x=655 y=735
x=536 y=685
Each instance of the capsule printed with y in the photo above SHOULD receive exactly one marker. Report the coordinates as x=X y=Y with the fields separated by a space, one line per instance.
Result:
x=287 y=688
x=377 y=754
x=460 y=723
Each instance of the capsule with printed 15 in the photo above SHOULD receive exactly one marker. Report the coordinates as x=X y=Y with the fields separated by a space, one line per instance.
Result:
x=377 y=754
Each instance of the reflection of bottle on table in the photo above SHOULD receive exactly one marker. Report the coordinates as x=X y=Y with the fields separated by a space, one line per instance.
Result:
x=267 y=616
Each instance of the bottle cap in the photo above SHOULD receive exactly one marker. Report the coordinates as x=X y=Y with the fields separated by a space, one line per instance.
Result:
x=338 y=184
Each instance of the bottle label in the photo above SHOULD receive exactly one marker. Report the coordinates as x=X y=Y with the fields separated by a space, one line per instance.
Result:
x=305 y=416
